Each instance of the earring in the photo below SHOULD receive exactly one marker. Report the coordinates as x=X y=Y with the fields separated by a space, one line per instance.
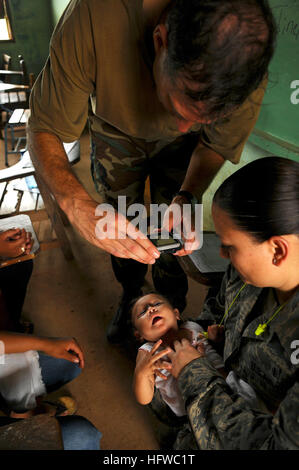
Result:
x=274 y=261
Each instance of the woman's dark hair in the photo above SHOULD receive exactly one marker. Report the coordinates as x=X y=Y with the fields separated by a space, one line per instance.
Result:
x=262 y=198
x=224 y=46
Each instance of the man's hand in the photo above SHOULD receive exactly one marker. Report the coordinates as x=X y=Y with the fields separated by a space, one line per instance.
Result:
x=52 y=165
x=15 y=242
x=173 y=220
x=181 y=356
x=131 y=244
x=64 y=348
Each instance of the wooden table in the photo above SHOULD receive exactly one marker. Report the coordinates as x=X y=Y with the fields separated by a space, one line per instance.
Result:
x=11 y=72
x=5 y=87
x=212 y=278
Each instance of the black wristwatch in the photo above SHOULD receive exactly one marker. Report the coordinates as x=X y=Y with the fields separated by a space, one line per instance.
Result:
x=189 y=196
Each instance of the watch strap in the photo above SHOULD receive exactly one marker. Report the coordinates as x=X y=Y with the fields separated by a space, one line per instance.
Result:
x=187 y=195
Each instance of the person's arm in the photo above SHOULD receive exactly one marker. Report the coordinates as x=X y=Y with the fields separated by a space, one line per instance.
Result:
x=49 y=158
x=147 y=367
x=203 y=167
x=220 y=418
x=221 y=141
x=63 y=348
x=58 y=113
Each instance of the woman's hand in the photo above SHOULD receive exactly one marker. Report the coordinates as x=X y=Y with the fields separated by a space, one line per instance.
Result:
x=149 y=363
x=183 y=354
x=64 y=348
x=15 y=242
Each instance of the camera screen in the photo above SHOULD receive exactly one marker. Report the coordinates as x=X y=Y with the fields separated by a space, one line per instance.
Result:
x=165 y=241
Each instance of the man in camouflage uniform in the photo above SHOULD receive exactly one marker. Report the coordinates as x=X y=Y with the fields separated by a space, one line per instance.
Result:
x=221 y=419
x=161 y=101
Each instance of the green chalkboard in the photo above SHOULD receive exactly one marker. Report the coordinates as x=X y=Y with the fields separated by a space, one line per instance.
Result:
x=277 y=129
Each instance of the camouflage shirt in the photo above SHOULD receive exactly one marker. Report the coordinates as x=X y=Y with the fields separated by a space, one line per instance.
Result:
x=221 y=419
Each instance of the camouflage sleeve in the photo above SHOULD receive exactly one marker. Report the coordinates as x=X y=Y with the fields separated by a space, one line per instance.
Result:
x=221 y=419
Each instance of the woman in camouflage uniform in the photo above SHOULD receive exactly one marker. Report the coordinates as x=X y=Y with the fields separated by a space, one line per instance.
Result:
x=256 y=215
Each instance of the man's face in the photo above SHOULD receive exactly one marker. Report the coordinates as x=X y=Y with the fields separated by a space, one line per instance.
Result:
x=171 y=94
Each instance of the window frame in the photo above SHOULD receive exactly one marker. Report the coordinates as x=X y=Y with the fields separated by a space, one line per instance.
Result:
x=5 y=7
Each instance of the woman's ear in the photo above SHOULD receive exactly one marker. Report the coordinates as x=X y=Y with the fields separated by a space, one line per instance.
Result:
x=280 y=249
x=177 y=313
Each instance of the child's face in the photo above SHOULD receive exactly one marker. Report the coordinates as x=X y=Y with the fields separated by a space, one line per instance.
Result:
x=153 y=316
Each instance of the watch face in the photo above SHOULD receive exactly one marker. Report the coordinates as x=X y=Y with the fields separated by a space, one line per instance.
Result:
x=186 y=195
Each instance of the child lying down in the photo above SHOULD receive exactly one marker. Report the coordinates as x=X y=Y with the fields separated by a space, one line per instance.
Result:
x=158 y=325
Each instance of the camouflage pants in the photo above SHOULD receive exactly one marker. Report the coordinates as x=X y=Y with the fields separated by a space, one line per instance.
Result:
x=179 y=434
x=120 y=166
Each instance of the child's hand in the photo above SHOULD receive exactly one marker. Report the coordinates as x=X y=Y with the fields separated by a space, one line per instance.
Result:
x=149 y=363
x=201 y=348
x=216 y=333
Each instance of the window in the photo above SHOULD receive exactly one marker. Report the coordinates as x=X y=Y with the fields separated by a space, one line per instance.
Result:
x=5 y=22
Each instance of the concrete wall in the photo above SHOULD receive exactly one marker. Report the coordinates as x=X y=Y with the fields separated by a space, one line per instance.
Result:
x=32 y=25
x=250 y=153
x=57 y=8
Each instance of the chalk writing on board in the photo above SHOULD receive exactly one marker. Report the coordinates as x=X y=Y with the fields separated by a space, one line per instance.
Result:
x=295 y=94
x=286 y=24
x=295 y=354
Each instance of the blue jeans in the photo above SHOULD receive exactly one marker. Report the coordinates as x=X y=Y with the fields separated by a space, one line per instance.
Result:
x=57 y=372
x=78 y=433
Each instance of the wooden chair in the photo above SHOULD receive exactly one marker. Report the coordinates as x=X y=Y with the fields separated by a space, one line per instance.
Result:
x=17 y=121
x=6 y=65
x=21 y=83
x=9 y=75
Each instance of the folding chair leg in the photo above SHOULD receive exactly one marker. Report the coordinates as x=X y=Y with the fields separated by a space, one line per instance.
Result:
x=54 y=213
x=12 y=133
x=5 y=145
